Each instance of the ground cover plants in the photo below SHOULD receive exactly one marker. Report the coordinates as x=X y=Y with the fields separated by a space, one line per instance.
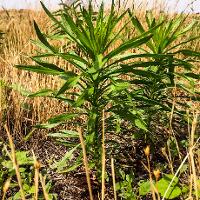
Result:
x=126 y=96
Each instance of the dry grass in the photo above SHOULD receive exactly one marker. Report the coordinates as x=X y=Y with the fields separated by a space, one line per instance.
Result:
x=17 y=48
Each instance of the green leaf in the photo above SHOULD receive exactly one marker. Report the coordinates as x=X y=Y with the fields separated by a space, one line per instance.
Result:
x=172 y=193
x=185 y=189
x=72 y=56
x=39 y=69
x=31 y=190
x=17 y=196
x=48 y=65
x=141 y=124
x=128 y=45
x=168 y=178
x=72 y=168
x=120 y=85
x=47 y=126
x=84 y=40
x=198 y=188
x=42 y=93
x=128 y=56
x=71 y=82
x=22 y=159
x=144 y=188
x=65 y=134
x=123 y=113
x=63 y=163
x=42 y=38
x=188 y=52
x=83 y=97
x=136 y=23
x=162 y=185
x=193 y=75
x=61 y=118
x=20 y=89
x=184 y=42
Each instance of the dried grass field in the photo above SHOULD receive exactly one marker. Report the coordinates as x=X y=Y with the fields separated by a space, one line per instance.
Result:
x=99 y=104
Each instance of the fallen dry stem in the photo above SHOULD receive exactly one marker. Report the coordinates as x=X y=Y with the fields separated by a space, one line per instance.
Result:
x=6 y=187
x=103 y=158
x=193 y=176
x=15 y=164
x=113 y=178
x=36 y=177
x=85 y=161
x=42 y=180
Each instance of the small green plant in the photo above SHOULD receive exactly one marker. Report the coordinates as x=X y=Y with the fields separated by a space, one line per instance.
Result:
x=174 y=191
x=157 y=87
x=26 y=169
x=125 y=186
x=8 y=172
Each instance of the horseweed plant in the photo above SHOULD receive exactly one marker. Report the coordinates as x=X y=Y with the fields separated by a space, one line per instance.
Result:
x=97 y=69
x=174 y=64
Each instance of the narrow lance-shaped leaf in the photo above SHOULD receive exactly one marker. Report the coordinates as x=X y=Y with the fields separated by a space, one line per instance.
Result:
x=72 y=56
x=61 y=118
x=43 y=39
x=64 y=134
x=80 y=36
x=109 y=24
x=62 y=26
x=134 y=43
x=132 y=68
x=42 y=93
x=141 y=29
x=48 y=65
x=128 y=45
x=117 y=35
x=71 y=82
x=188 y=52
x=39 y=69
x=182 y=63
x=181 y=43
x=57 y=120
x=128 y=56
x=88 y=19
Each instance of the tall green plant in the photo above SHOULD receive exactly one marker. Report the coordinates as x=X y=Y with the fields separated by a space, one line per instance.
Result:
x=174 y=65
x=97 y=69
